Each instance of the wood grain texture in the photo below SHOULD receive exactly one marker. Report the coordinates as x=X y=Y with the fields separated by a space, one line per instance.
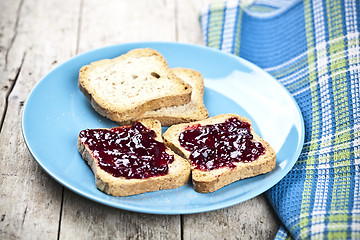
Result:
x=253 y=219
x=121 y=21
x=30 y=200
x=89 y=220
x=9 y=20
x=187 y=21
x=37 y=36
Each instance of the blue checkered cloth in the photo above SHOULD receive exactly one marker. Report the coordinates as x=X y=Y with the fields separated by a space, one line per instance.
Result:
x=313 y=49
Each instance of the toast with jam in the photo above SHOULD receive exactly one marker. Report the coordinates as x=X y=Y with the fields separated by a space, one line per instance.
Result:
x=132 y=159
x=125 y=87
x=193 y=111
x=221 y=150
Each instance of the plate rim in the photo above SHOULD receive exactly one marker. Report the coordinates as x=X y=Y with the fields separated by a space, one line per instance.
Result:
x=123 y=206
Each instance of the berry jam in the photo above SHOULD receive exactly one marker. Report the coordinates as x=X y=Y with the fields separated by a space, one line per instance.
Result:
x=220 y=145
x=129 y=151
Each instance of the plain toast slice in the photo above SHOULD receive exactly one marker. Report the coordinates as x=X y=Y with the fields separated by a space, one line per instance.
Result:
x=178 y=171
x=193 y=111
x=205 y=181
x=127 y=86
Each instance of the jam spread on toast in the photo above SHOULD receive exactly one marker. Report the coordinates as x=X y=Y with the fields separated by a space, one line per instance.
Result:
x=220 y=145
x=128 y=151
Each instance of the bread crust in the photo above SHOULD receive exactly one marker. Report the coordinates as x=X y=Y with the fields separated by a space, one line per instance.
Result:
x=210 y=181
x=193 y=111
x=124 y=75
x=178 y=175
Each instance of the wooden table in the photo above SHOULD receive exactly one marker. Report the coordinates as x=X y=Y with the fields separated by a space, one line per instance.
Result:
x=35 y=37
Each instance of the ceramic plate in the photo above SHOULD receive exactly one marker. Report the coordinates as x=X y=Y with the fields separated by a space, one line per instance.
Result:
x=56 y=111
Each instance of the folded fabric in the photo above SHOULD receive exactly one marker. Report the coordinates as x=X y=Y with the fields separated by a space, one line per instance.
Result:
x=313 y=49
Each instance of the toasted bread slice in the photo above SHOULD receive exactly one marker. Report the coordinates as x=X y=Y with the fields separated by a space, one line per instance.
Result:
x=127 y=86
x=192 y=111
x=205 y=181
x=178 y=171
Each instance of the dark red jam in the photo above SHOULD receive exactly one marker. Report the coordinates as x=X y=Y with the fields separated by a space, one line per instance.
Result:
x=130 y=151
x=220 y=145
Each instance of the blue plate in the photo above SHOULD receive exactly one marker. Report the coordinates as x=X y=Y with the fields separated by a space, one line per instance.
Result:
x=56 y=111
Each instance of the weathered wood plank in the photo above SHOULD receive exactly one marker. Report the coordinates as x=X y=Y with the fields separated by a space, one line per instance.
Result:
x=9 y=17
x=30 y=200
x=126 y=21
x=253 y=219
x=89 y=220
x=187 y=20
x=112 y=23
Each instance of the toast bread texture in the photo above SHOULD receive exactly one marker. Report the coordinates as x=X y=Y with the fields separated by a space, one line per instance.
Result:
x=178 y=173
x=127 y=86
x=212 y=180
x=192 y=111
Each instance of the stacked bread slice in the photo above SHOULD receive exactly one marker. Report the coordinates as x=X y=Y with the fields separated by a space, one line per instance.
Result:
x=139 y=88
x=139 y=85
x=192 y=111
